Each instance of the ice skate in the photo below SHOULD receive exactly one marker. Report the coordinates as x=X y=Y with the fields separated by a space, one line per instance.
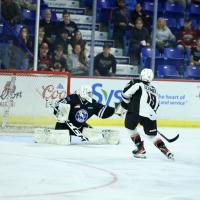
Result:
x=140 y=151
x=161 y=146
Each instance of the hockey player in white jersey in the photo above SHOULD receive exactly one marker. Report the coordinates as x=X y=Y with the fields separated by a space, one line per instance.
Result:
x=140 y=102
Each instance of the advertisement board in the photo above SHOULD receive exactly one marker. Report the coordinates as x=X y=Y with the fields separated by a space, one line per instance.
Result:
x=179 y=100
x=27 y=103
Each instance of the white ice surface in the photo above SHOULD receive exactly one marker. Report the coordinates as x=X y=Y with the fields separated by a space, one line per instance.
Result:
x=100 y=172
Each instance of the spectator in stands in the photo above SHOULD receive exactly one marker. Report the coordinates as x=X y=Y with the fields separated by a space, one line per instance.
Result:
x=187 y=36
x=139 y=12
x=104 y=62
x=59 y=63
x=164 y=36
x=41 y=37
x=76 y=62
x=67 y=24
x=26 y=4
x=63 y=40
x=25 y=49
x=24 y=37
x=48 y=25
x=195 y=54
x=10 y=11
x=120 y=19
x=77 y=39
x=183 y=3
x=139 y=38
x=44 y=61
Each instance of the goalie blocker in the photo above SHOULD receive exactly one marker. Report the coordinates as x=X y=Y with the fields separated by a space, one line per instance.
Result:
x=62 y=137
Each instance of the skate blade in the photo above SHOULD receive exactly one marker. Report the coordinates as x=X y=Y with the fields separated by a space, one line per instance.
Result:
x=172 y=159
x=140 y=156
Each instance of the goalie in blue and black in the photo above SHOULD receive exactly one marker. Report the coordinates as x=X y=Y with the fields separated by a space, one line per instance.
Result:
x=140 y=100
x=76 y=109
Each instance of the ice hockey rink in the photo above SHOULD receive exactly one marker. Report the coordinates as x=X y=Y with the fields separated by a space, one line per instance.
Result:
x=99 y=172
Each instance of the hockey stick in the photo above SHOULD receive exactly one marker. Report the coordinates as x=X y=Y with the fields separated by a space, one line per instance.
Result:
x=75 y=130
x=169 y=140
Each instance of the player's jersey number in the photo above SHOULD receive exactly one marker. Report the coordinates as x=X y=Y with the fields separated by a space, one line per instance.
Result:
x=152 y=100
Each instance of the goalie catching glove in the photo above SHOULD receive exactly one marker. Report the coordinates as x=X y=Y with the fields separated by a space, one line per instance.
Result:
x=63 y=110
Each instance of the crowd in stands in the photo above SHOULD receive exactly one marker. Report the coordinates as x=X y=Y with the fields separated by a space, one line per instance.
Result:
x=62 y=48
x=136 y=27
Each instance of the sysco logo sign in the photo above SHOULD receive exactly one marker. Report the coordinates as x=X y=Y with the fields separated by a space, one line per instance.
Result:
x=106 y=96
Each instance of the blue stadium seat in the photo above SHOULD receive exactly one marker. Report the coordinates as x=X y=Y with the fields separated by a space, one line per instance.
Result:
x=174 y=56
x=194 y=11
x=107 y=3
x=1 y=29
x=149 y=8
x=103 y=15
x=86 y=3
x=173 y=10
x=130 y=4
x=146 y=55
x=147 y=52
x=172 y=24
x=180 y=22
x=192 y=72
x=8 y=30
x=102 y=4
x=167 y=71
x=28 y=16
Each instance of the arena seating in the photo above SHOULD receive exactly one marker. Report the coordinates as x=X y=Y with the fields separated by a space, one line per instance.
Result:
x=165 y=63
x=192 y=72
x=167 y=71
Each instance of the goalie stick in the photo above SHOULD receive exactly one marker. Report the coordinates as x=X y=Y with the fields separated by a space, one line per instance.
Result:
x=167 y=139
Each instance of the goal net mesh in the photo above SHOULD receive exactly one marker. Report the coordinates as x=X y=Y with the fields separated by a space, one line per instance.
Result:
x=24 y=96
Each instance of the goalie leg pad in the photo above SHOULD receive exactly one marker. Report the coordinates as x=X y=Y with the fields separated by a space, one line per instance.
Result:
x=94 y=137
x=111 y=136
x=49 y=136
x=101 y=136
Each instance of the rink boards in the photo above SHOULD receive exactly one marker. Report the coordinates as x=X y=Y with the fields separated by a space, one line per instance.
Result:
x=179 y=100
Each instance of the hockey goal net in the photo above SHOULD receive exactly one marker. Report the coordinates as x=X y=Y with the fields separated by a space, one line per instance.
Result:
x=24 y=95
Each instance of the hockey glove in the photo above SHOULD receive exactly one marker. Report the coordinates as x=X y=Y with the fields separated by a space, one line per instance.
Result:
x=119 y=110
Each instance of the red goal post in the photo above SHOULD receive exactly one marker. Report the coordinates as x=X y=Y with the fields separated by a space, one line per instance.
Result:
x=23 y=97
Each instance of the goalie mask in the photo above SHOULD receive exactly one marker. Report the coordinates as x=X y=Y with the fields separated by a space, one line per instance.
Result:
x=86 y=93
x=146 y=75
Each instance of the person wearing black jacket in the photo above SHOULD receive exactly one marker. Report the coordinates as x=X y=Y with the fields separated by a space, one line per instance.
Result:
x=139 y=12
x=120 y=20
x=67 y=24
x=48 y=25
x=139 y=38
x=103 y=62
